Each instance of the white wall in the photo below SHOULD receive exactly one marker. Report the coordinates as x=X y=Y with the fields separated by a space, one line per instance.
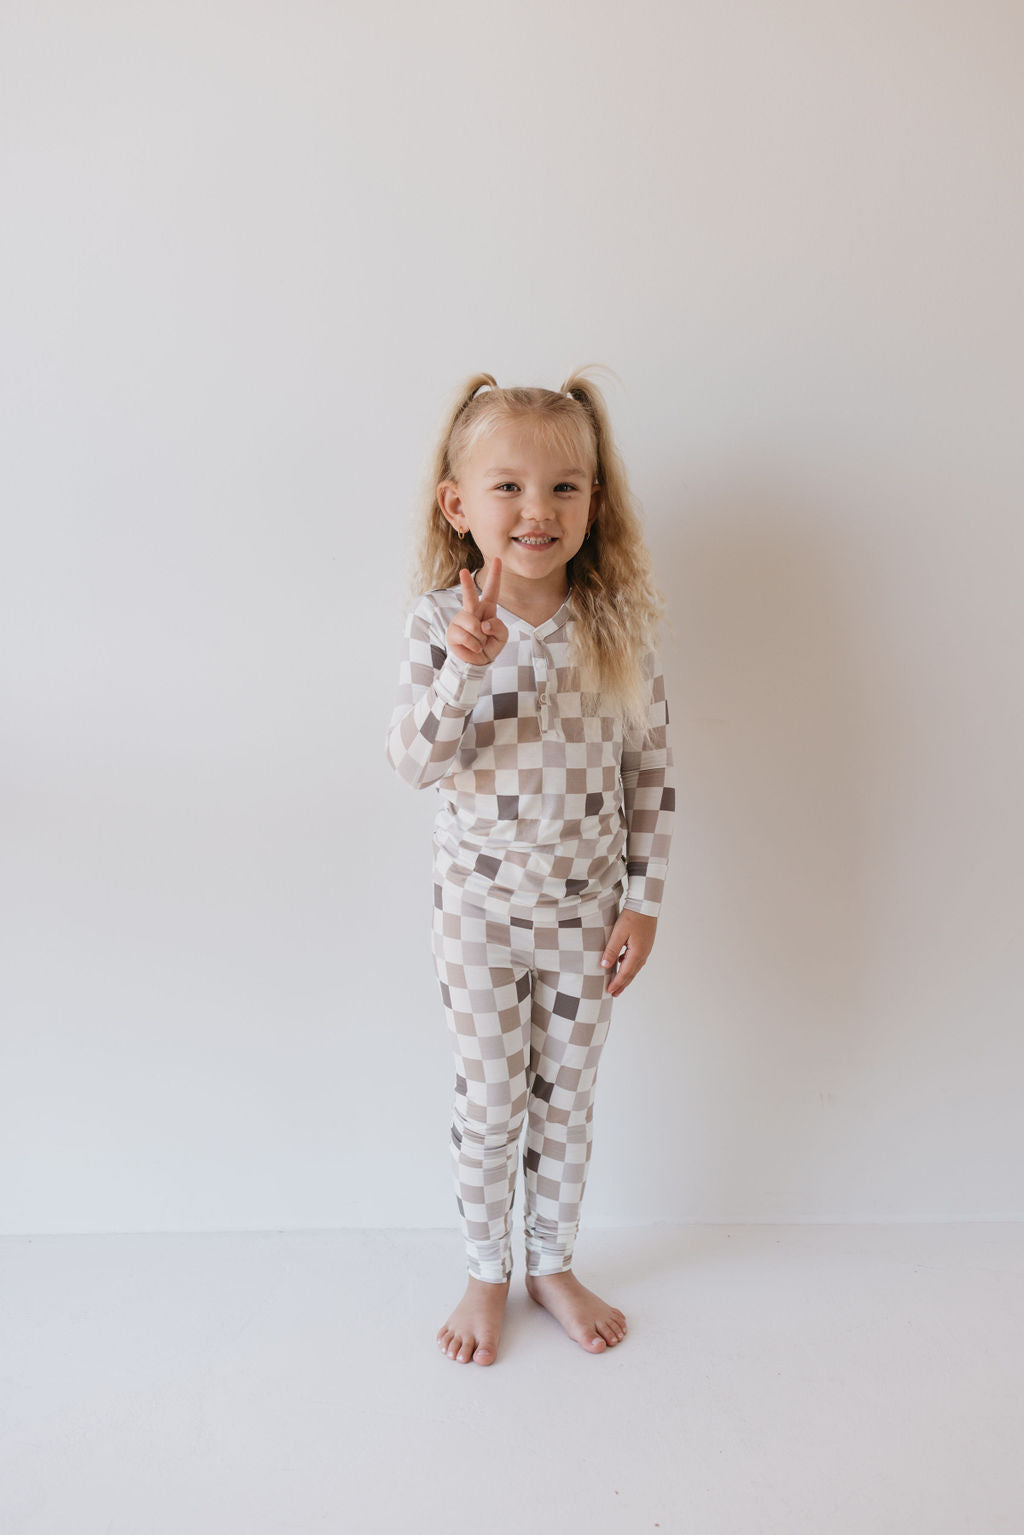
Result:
x=248 y=252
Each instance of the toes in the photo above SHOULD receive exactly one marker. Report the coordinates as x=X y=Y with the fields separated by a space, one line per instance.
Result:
x=454 y=1345
x=596 y=1344
x=465 y=1353
x=610 y=1332
x=484 y=1354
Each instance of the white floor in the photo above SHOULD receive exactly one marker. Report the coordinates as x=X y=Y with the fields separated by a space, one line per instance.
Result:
x=827 y=1379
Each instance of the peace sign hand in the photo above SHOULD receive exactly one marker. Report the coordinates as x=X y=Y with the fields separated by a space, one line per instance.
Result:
x=476 y=634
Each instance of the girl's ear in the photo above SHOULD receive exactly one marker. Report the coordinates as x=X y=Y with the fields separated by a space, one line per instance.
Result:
x=449 y=501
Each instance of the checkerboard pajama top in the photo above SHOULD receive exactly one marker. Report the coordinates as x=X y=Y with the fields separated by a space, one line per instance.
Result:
x=542 y=805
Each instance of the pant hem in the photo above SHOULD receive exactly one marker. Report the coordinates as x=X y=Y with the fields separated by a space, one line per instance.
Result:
x=495 y=1272
x=545 y=1269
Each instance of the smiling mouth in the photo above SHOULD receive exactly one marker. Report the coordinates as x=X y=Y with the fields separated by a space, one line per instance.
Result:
x=534 y=543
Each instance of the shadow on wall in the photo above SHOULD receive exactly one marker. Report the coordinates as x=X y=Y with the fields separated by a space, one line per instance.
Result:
x=776 y=710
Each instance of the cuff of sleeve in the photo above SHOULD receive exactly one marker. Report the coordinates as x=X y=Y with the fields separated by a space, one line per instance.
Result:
x=644 y=894
x=459 y=684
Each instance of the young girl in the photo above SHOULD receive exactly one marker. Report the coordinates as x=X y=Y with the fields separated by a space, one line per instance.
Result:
x=532 y=699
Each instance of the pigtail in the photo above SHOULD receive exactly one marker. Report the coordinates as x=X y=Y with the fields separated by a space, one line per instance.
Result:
x=441 y=553
x=614 y=595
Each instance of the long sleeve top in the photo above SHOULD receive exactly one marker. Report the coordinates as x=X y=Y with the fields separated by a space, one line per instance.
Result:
x=543 y=805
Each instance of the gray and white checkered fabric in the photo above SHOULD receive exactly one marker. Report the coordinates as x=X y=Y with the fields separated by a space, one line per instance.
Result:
x=548 y=816
x=541 y=803
x=528 y=1016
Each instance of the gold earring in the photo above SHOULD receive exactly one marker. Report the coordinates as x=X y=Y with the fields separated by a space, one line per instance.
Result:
x=461 y=532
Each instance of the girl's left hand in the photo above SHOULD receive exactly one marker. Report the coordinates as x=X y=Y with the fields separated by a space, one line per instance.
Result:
x=634 y=933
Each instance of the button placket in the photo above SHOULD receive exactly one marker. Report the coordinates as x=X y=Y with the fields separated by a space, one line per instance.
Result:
x=541 y=674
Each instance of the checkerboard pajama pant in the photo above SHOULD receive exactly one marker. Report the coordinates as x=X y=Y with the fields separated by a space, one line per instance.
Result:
x=528 y=1016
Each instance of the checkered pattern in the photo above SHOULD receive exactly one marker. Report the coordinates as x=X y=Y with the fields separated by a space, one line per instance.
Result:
x=528 y=1015
x=543 y=802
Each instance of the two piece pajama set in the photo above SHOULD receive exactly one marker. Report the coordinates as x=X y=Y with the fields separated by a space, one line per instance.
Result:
x=548 y=815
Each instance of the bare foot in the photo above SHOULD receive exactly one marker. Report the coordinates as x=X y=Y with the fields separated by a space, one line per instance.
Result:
x=585 y=1316
x=474 y=1327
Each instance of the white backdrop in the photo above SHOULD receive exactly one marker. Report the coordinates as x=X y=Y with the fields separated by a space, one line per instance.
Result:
x=249 y=250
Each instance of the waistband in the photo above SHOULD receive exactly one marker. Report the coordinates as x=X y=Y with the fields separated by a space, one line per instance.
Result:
x=453 y=897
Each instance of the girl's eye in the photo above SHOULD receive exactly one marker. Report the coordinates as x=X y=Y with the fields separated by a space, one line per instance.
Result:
x=510 y=485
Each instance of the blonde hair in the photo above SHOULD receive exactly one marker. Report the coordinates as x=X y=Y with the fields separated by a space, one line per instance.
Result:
x=612 y=596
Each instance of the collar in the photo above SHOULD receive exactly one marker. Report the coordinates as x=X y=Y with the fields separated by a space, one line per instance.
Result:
x=542 y=631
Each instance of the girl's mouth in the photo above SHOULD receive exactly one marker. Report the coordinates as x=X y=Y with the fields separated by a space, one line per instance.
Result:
x=531 y=542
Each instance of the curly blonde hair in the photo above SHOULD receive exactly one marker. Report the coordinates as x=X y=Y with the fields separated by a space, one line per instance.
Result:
x=612 y=593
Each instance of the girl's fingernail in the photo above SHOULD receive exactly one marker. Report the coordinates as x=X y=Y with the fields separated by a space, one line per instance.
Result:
x=486 y=626
x=606 y=962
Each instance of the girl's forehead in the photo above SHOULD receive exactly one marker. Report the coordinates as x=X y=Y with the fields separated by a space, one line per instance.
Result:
x=516 y=444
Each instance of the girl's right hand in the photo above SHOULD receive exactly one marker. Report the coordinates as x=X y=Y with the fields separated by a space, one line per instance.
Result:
x=476 y=634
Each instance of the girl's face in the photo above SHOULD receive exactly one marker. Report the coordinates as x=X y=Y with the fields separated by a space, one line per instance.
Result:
x=529 y=505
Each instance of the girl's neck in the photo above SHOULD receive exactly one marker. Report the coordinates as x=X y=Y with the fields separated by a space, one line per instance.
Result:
x=534 y=602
